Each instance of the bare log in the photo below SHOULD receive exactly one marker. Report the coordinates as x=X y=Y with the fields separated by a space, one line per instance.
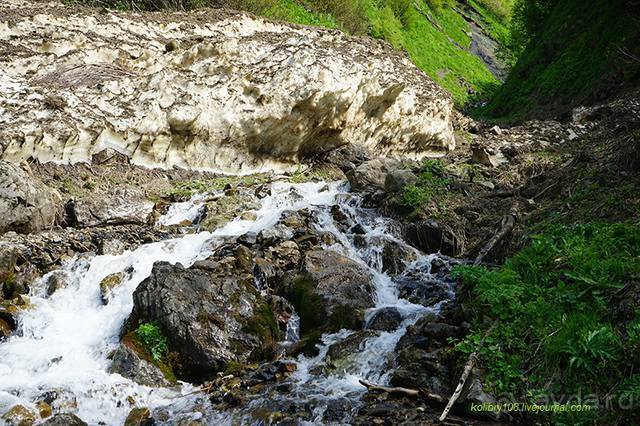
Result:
x=507 y=225
x=463 y=379
x=403 y=391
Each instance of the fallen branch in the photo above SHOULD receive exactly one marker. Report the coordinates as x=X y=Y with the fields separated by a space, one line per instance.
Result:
x=471 y=362
x=403 y=391
x=507 y=225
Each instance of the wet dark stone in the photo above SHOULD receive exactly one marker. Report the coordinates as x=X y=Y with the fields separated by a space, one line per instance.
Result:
x=430 y=237
x=385 y=319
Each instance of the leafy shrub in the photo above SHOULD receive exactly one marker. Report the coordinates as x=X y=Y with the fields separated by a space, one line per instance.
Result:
x=430 y=183
x=550 y=303
x=151 y=336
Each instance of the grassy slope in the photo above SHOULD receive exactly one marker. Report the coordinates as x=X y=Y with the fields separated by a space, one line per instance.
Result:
x=575 y=60
x=435 y=38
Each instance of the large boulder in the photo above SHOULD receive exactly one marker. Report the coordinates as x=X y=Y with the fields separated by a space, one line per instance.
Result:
x=213 y=89
x=371 y=175
x=331 y=291
x=65 y=419
x=126 y=362
x=212 y=314
x=123 y=205
x=26 y=204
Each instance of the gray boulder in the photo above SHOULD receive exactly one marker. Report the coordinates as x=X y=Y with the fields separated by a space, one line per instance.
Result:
x=332 y=291
x=26 y=204
x=385 y=319
x=397 y=180
x=124 y=205
x=126 y=362
x=371 y=175
x=212 y=314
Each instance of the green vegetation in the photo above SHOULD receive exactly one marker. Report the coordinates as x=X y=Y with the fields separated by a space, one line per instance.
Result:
x=562 y=317
x=151 y=336
x=264 y=324
x=183 y=190
x=570 y=53
x=8 y=285
x=430 y=183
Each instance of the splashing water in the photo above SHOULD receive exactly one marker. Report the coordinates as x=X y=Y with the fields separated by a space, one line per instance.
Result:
x=64 y=340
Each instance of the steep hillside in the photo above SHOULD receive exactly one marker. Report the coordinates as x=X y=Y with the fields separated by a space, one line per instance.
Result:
x=578 y=53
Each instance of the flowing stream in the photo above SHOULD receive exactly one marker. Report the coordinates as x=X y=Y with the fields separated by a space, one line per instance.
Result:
x=63 y=340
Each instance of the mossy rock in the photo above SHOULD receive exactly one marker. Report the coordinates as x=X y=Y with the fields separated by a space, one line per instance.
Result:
x=226 y=208
x=314 y=316
x=108 y=284
x=165 y=365
x=264 y=325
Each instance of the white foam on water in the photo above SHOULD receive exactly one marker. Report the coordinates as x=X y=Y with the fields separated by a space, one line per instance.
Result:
x=64 y=340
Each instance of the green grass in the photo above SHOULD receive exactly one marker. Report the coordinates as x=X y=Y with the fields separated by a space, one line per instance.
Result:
x=573 y=60
x=430 y=183
x=437 y=50
x=551 y=319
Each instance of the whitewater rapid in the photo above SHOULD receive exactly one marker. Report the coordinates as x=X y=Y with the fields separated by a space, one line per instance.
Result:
x=63 y=340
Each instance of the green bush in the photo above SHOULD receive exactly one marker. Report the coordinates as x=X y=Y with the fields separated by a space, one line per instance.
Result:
x=554 y=326
x=151 y=336
x=430 y=183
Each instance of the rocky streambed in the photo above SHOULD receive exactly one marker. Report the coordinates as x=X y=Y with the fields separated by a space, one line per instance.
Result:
x=276 y=314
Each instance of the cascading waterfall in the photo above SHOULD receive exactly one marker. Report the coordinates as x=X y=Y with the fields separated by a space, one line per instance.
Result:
x=64 y=340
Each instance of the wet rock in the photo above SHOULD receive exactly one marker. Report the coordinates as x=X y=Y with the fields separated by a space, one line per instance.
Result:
x=8 y=314
x=439 y=332
x=123 y=205
x=212 y=312
x=287 y=255
x=292 y=219
x=113 y=247
x=226 y=208
x=108 y=284
x=348 y=157
x=19 y=415
x=139 y=417
x=397 y=180
x=262 y=191
x=341 y=354
x=126 y=362
x=5 y=330
x=370 y=176
x=275 y=234
x=396 y=256
x=332 y=290
x=244 y=258
x=65 y=419
x=56 y=281
x=418 y=368
x=385 y=319
x=423 y=291
x=431 y=237
x=340 y=218
x=26 y=204
x=248 y=239
x=44 y=410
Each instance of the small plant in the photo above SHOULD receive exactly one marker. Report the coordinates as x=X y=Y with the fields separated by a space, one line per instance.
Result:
x=151 y=336
x=430 y=183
